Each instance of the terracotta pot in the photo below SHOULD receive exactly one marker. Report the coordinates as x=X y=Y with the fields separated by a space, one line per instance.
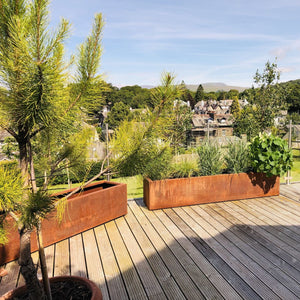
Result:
x=96 y=292
x=168 y=193
x=98 y=203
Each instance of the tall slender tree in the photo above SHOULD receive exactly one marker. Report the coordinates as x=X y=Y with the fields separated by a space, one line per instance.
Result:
x=199 y=93
x=35 y=98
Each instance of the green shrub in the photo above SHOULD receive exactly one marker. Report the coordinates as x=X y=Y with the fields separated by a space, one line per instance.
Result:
x=270 y=155
x=184 y=167
x=210 y=158
x=237 y=157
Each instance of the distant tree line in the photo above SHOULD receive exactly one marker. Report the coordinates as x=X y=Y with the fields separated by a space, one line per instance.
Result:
x=127 y=101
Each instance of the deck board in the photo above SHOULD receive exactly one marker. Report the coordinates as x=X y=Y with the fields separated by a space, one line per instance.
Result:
x=247 y=249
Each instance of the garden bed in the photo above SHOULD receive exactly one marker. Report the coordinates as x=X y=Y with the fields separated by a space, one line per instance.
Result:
x=98 y=203
x=168 y=193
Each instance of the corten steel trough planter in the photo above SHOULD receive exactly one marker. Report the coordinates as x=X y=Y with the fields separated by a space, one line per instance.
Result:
x=98 y=203
x=90 y=285
x=177 y=192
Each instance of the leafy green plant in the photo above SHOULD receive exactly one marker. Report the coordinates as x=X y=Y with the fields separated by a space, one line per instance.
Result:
x=270 y=155
x=237 y=157
x=185 y=167
x=210 y=158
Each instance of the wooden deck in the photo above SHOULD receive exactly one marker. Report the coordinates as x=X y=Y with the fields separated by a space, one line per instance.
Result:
x=247 y=249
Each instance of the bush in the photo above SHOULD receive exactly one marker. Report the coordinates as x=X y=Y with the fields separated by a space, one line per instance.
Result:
x=184 y=167
x=270 y=155
x=210 y=159
x=237 y=157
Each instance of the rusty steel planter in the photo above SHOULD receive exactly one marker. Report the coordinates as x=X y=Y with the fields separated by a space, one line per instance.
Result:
x=98 y=203
x=96 y=292
x=207 y=189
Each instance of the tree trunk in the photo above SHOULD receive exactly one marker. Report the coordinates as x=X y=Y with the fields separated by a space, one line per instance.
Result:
x=23 y=160
x=28 y=269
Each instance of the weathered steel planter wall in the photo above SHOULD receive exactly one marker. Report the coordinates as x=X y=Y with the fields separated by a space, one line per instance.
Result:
x=207 y=189
x=98 y=203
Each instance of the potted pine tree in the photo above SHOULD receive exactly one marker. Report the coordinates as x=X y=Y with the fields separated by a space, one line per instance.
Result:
x=36 y=103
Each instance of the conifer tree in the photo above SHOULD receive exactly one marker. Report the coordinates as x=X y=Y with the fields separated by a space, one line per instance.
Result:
x=199 y=94
x=35 y=98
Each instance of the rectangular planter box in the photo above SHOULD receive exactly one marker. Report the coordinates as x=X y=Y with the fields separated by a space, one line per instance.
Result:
x=98 y=203
x=207 y=189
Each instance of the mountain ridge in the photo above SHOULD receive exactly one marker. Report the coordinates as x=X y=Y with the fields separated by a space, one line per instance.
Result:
x=209 y=87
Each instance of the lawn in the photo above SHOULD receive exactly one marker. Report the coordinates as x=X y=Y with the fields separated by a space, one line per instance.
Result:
x=134 y=186
x=295 y=172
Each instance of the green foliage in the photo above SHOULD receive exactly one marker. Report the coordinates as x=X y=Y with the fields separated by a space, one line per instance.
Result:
x=137 y=151
x=237 y=157
x=163 y=96
x=117 y=115
x=270 y=155
x=265 y=102
x=10 y=188
x=175 y=124
x=38 y=205
x=184 y=167
x=293 y=95
x=10 y=148
x=245 y=122
x=199 y=94
x=235 y=109
x=210 y=158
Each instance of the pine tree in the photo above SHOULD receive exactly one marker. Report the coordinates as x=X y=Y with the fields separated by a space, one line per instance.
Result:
x=199 y=94
x=34 y=99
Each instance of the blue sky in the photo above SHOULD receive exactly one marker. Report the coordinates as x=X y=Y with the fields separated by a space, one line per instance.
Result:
x=199 y=41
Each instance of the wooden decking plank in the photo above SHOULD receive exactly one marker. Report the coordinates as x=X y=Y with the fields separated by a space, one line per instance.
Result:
x=49 y=253
x=291 y=228
x=183 y=280
x=93 y=262
x=279 y=281
x=276 y=209
x=150 y=282
x=287 y=204
x=77 y=259
x=284 y=217
x=158 y=266
x=62 y=258
x=132 y=281
x=276 y=255
x=224 y=239
x=223 y=268
x=10 y=281
x=112 y=273
x=281 y=235
x=195 y=273
x=290 y=206
x=200 y=279
x=251 y=278
x=291 y=191
x=225 y=289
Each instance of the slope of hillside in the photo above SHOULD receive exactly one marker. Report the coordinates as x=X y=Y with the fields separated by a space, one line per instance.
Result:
x=215 y=86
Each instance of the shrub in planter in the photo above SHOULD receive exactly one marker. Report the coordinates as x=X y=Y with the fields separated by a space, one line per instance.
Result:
x=270 y=155
x=184 y=167
x=237 y=157
x=210 y=159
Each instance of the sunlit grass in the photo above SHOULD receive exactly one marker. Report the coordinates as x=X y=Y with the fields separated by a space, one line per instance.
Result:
x=295 y=172
x=134 y=186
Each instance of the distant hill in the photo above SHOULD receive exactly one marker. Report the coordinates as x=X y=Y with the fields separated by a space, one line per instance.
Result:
x=215 y=86
x=209 y=87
